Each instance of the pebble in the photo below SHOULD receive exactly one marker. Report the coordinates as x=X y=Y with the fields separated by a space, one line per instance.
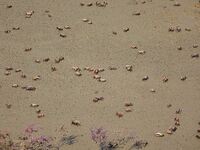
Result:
x=129 y=67
x=102 y=80
x=75 y=68
x=76 y=122
x=89 y=22
x=113 y=32
x=178 y=29
x=89 y=4
x=7 y=73
x=177 y=4
x=126 y=29
x=128 y=104
x=165 y=79
x=196 y=55
x=136 y=13
x=40 y=115
x=82 y=4
x=101 y=4
x=9 y=6
x=23 y=76
x=7 y=31
x=62 y=35
x=96 y=99
x=179 y=48
x=30 y=88
x=27 y=49
x=29 y=14
x=8 y=68
x=128 y=110
x=8 y=106
x=16 y=28
x=134 y=47
x=53 y=68
x=112 y=68
x=18 y=70
x=97 y=77
x=35 y=78
x=59 y=28
x=46 y=59
x=34 y=105
x=158 y=134
x=152 y=90
x=197 y=136
x=77 y=73
x=37 y=61
x=169 y=105
x=15 y=85
x=85 y=20
x=67 y=27
x=195 y=46
x=119 y=114
x=145 y=78
x=171 y=29
x=188 y=29
x=183 y=78
x=141 y=52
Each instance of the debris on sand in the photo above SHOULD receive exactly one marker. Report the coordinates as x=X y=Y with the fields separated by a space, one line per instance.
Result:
x=145 y=78
x=76 y=122
x=29 y=88
x=136 y=13
x=129 y=67
x=119 y=114
x=195 y=55
x=159 y=134
x=27 y=49
x=96 y=99
x=29 y=14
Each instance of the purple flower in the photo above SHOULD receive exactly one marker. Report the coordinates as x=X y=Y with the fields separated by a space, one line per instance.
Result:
x=98 y=135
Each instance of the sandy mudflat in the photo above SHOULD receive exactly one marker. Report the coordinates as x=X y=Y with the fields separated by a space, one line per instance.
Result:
x=63 y=96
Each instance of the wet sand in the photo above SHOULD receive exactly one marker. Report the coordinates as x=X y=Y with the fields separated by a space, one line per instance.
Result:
x=62 y=96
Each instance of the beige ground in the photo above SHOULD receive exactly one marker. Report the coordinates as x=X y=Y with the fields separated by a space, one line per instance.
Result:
x=62 y=96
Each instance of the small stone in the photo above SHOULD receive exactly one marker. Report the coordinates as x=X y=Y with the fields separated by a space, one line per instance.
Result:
x=77 y=73
x=85 y=20
x=62 y=35
x=177 y=123
x=38 y=111
x=136 y=13
x=7 y=31
x=97 y=77
x=18 y=70
x=76 y=122
x=30 y=88
x=152 y=90
x=8 y=106
x=165 y=79
x=40 y=115
x=112 y=68
x=7 y=73
x=53 y=68
x=158 y=134
x=128 y=104
x=89 y=22
x=119 y=114
x=134 y=47
x=34 y=105
x=179 y=111
x=196 y=55
x=9 y=6
x=23 y=76
x=15 y=85
x=115 y=33
x=179 y=48
x=171 y=29
x=188 y=29
x=67 y=27
x=129 y=67
x=96 y=99
x=82 y=4
x=75 y=68
x=169 y=105
x=183 y=78
x=59 y=28
x=197 y=136
x=141 y=52
x=35 y=78
x=46 y=59
x=128 y=110
x=8 y=68
x=145 y=78
x=29 y=14
x=16 y=28
x=177 y=4
x=37 y=61
x=102 y=80
x=89 y=4
x=126 y=29
x=178 y=29
x=195 y=46
x=27 y=49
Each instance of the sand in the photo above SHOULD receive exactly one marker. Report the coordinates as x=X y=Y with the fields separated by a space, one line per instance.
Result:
x=62 y=96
